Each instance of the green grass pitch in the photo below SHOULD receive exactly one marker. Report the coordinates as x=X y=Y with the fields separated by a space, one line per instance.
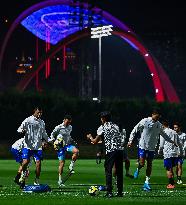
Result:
x=76 y=189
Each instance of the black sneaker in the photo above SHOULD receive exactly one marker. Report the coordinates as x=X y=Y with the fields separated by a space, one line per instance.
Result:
x=109 y=195
x=16 y=179
x=22 y=184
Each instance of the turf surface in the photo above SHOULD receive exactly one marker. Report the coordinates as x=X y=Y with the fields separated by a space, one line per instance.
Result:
x=76 y=189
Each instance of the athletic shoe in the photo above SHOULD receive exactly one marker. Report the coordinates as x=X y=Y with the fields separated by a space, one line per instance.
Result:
x=179 y=182
x=22 y=184
x=170 y=186
x=60 y=183
x=146 y=187
x=136 y=174
x=71 y=168
x=16 y=179
x=36 y=182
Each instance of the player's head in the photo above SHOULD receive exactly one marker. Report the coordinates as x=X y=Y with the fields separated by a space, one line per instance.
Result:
x=155 y=114
x=177 y=127
x=105 y=116
x=37 y=112
x=67 y=120
x=165 y=124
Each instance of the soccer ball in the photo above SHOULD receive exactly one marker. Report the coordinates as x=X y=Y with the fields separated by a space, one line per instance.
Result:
x=93 y=190
x=58 y=143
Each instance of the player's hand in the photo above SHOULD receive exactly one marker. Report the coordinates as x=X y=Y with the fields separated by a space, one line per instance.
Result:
x=129 y=144
x=89 y=136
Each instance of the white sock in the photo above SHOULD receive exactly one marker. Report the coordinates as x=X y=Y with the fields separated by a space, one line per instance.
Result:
x=147 y=179
x=60 y=178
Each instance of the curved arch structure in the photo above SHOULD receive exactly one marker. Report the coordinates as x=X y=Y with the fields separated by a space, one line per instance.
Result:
x=164 y=90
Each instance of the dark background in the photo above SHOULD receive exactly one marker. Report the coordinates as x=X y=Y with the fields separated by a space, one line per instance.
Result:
x=159 y=24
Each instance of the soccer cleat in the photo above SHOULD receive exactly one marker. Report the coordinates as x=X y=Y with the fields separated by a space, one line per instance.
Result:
x=146 y=187
x=170 y=186
x=179 y=181
x=136 y=174
x=16 y=179
x=36 y=182
x=60 y=183
x=71 y=168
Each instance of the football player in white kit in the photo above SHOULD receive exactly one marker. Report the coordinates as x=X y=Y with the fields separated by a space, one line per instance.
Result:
x=34 y=131
x=182 y=138
x=150 y=129
x=63 y=142
x=171 y=153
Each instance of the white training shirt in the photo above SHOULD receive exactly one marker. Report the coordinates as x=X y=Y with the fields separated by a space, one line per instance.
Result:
x=150 y=131
x=169 y=149
x=62 y=131
x=34 y=129
x=182 y=138
x=19 y=144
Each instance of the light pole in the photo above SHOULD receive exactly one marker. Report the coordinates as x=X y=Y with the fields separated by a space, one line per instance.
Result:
x=99 y=32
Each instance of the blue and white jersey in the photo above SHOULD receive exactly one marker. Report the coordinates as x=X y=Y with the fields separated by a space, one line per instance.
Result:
x=113 y=139
x=182 y=138
x=63 y=132
x=19 y=144
x=150 y=131
x=34 y=130
x=169 y=149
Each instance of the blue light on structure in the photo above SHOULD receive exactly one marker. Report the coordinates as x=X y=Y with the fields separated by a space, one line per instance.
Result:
x=54 y=23
x=130 y=43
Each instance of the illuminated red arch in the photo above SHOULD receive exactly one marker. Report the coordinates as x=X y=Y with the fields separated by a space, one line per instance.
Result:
x=160 y=79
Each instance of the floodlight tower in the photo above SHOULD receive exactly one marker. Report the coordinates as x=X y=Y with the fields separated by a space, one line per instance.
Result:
x=99 y=32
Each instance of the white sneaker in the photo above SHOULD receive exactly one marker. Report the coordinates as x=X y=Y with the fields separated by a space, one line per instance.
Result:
x=179 y=182
x=60 y=183
x=36 y=182
x=71 y=167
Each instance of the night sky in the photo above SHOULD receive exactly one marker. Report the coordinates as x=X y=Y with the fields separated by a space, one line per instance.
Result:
x=145 y=18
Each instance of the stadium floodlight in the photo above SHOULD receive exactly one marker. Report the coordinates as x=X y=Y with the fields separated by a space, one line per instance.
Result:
x=99 y=32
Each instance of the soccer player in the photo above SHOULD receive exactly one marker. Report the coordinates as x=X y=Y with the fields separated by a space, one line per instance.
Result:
x=16 y=150
x=33 y=128
x=150 y=129
x=100 y=149
x=182 y=138
x=63 y=142
x=170 y=153
x=110 y=134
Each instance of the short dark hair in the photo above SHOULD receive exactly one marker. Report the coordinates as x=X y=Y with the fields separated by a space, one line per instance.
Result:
x=69 y=117
x=165 y=123
x=177 y=123
x=106 y=115
x=37 y=108
x=156 y=111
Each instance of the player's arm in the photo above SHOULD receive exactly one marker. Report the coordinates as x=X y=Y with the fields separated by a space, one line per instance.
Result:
x=161 y=145
x=44 y=134
x=136 y=129
x=166 y=137
x=23 y=127
x=94 y=140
